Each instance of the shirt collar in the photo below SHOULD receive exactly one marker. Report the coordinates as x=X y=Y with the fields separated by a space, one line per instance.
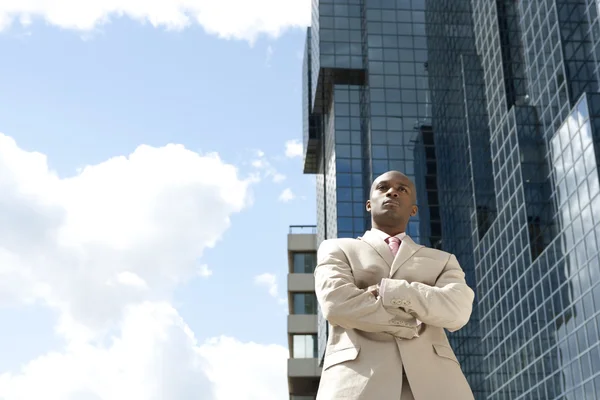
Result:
x=384 y=235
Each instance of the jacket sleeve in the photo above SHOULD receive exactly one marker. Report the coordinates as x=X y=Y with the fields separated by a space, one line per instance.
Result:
x=448 y=304
x=345 y=305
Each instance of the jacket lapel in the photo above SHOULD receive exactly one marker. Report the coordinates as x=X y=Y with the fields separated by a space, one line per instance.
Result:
x=407 y=249
x=381 y=247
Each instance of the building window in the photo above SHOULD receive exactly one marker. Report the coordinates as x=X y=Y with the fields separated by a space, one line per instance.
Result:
x=304 y=263
x=305 y=346
x=484 y=220
x=304 y=303
x=536 y=237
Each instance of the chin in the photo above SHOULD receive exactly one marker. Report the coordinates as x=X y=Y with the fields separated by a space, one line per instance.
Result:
x=391 y=218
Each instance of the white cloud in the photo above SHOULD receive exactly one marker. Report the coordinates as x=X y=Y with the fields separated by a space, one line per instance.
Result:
x=270 y=282
x=278 y=178
x=104 y=249
x=259 y=164
x=293 y=148
x=269 y=56
x=287 y=195
x=131 y=279
x=204 y=271
x=246 y=370
x=265 y=169
x=155 y=357
x=229 y=19
x=104 y=221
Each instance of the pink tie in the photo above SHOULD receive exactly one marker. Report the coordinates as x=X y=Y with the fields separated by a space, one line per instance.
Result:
x=394 y=244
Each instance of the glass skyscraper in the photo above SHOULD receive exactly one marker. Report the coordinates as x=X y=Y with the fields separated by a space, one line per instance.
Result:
x=366 y=103
x=492 y=108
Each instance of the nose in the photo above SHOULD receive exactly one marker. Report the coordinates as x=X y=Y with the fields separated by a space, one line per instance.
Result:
x=392 y=193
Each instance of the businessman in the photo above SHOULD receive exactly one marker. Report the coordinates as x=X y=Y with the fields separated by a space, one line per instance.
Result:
x=388 y=301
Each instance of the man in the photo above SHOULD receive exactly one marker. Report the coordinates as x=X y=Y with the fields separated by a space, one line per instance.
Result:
x=388 y=301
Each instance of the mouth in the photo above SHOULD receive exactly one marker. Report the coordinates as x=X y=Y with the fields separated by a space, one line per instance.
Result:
x=392 y=203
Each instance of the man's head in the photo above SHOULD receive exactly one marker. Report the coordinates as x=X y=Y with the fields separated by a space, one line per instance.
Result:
x=392 y=202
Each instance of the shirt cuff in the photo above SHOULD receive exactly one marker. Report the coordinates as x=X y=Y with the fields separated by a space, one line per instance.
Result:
x=381 y=289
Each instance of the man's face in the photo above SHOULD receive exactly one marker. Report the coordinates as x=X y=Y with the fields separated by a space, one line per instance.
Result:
x=392 y=199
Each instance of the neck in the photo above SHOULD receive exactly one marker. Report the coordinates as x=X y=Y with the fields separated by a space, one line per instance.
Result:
x=390 y=230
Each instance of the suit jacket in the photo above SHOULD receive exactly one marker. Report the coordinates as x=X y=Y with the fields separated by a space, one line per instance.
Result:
x=373 y=341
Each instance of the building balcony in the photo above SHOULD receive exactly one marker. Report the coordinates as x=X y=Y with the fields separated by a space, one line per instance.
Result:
x=303 y=376
x=301 y=283
x=302 y=324
x=302 y=238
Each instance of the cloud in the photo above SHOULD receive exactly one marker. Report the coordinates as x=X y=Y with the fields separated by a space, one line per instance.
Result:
x=287 y=195
x=105 y=249
x=270 y=282
x=228 y=19
x=103 y=222
x=204 y=271
x=293 y=148
x=278 y=178
x=131 y=279
x=155 y=357
x=266 y=170
x=259 y=370
x=269 y=56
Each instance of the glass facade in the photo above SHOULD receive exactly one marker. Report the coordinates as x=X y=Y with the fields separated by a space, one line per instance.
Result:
x=492 y=108
x=359 y=54
x=466 y=199
x=514 y=102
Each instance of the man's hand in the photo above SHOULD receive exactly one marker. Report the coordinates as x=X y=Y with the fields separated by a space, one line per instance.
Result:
x=448 y=304
x=374 y=290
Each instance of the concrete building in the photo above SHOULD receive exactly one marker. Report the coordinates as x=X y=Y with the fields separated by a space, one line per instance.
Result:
x=303 y=366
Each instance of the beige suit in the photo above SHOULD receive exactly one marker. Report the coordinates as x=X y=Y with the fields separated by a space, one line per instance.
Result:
x=373 y=341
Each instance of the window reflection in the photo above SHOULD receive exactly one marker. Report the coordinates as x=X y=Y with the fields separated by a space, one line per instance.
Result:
x=305 y=346
x=304 y=303
x=304 y=263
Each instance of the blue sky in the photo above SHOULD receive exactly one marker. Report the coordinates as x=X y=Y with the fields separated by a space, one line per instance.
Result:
x=105 y=246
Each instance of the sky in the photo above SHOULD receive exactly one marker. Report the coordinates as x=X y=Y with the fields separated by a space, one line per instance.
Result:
x=150 y=167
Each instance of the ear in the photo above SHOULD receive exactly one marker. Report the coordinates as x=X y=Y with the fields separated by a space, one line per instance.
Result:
x=368 y=206
x=414 y=211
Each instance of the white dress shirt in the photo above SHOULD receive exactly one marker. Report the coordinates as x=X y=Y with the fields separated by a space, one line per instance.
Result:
x=384 y=235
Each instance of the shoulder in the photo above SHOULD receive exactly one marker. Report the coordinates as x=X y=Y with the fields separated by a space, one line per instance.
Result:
x=436 y=254
x=337 y=245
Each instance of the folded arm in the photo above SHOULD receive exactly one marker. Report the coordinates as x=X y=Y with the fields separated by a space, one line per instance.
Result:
x=448 y=304
x=345 y=305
